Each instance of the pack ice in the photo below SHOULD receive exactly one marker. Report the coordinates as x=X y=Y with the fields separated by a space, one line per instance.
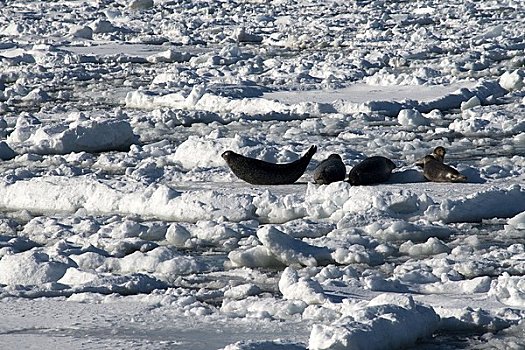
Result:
x=121 y=226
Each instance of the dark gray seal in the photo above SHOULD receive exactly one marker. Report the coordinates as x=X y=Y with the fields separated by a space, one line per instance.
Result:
x=436 y=171
x=438 y=153
x=330 y=170
x=259 y=172
x=371 y=171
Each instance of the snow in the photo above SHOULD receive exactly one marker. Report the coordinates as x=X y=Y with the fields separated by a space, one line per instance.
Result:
x=306 y=290
x=82 y=134
x=408 y=117
x=481 y=205
x=512 y=80
x=121 y=226
x=517 y=221
x=383 y=324
x=509 y=290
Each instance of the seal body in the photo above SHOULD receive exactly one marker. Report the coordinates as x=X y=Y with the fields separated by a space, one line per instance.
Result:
x=370 y=171
x=259 y=172
x=438 y=153
x=330 y=170
x=436 y=171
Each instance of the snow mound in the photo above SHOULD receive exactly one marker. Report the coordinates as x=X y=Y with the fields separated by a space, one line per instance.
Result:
x=482 y=122
x=208 y=149
x=432 y=246
x=487 y=204
x=280 y=249
x=482 y=91
x=62 y=194
x=340 y=198
x=162 y=262
x=509 y=290
x=169 y=56
x=278 y=209
x=299 y=288
x=85 y=281
x=514 y=80
x=242 y=291
x=386 y=323
x=517 y=222
x=470 y=319
x=292 y=251
x=258 y=256
x=33 y=267
x=200 y=99
x=411 y=117
x=82 y=134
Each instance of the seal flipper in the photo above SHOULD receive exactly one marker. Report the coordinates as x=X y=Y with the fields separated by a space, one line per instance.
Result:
x=307 y=156
x=311 y=151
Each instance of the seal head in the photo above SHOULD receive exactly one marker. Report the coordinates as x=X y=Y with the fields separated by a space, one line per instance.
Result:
x=330 y=170
x=438 y=153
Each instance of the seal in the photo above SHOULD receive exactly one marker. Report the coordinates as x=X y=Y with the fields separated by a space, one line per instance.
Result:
x=371 y=171
x=436 y=171
x=259 y=172
x=438 y=153
x=330 y=170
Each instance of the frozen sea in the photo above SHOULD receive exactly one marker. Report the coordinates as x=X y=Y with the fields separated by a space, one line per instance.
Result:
x=121 y=226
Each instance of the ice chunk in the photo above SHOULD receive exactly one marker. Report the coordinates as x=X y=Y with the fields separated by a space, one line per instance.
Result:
x=292 y=251
x=487 y=204
x=294 y=287
x=411 y=117
x=386 y=323
x=33 y=267
x=509 y=290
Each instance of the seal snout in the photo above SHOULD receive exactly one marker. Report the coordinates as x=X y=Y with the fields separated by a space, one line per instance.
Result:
x=226 y=155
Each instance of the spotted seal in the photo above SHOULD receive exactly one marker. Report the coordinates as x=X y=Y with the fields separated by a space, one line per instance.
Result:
x=436 y=171
x=438 y=153
x=370 y=171
x=330 y=170
x=259 y=172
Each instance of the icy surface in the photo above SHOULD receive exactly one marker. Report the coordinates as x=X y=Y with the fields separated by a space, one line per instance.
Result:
x=121 y=226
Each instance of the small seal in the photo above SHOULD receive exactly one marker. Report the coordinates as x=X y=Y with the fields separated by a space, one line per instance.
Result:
x=370 y=171
x=330 y=170
x=436 y=171
x=438 y=153
x=259 y=172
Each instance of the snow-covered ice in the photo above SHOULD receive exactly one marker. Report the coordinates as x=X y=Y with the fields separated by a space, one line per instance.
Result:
x=121 y=225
